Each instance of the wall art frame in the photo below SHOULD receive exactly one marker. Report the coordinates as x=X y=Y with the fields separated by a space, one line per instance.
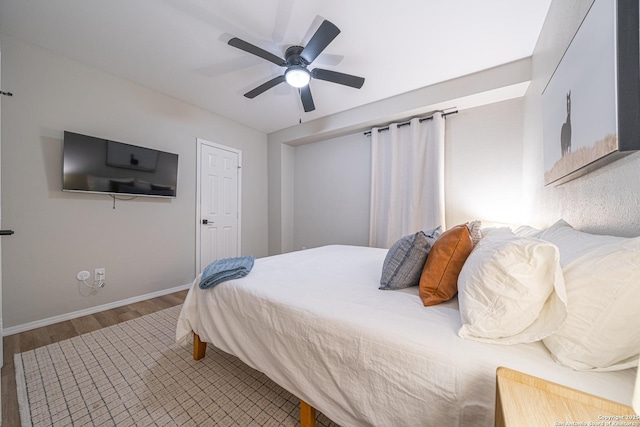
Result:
x=591 y=104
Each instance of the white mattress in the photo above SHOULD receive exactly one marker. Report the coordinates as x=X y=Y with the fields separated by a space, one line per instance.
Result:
x=315 y=322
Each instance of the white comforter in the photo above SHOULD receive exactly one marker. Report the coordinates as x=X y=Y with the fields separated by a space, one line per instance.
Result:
x=315 y=322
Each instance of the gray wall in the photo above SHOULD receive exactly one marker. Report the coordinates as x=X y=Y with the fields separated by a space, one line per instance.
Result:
x=287 y=196
x=604 y=201
x=146 y=245
x=275 y=197
x=483 y=168
x=280 y=198
x=332 y=188
x=483 y=159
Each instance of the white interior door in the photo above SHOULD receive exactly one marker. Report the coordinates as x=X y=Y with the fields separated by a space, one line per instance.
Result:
x=219 y=202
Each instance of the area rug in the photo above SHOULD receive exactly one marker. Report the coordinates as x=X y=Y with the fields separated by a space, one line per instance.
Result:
x=133 y=374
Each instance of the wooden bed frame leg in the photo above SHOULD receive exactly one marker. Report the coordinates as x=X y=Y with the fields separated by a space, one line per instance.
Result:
x=199 y=347
x=307 y=415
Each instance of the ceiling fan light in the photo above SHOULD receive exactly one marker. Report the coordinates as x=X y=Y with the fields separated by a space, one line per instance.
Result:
x=297 y=76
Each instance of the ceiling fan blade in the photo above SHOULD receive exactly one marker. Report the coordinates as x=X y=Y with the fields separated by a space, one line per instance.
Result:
x=255 y=50
x=307 y=99
x=336 y=77
x=319 y=41
x=283 y=17
x=264 y=87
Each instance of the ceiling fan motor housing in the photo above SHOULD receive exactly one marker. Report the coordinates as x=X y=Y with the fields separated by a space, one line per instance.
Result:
x=292 y=56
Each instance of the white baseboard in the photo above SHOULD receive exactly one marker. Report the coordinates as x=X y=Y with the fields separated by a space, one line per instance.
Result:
x=73 y=315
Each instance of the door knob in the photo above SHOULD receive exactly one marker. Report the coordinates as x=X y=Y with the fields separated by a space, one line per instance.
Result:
x=6 y=232
x=206 y=221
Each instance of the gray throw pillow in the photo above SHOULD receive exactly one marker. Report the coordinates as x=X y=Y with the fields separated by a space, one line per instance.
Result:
x=403 y=264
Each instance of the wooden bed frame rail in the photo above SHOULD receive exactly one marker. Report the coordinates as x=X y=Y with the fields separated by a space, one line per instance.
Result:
x=307 y=412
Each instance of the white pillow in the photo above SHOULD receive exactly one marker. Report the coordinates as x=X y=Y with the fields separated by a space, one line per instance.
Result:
x=574 y=243
x=602 y=331
x=511 y=290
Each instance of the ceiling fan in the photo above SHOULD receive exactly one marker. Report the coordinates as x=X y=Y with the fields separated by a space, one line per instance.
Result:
x=297 y=59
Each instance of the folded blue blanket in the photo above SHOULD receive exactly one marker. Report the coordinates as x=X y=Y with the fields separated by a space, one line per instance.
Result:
x=225 y=269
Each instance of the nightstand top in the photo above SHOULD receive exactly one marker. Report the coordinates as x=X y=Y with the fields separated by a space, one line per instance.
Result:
x=525 y=400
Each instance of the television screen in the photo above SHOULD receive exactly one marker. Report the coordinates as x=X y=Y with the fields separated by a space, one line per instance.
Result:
x=99 y=165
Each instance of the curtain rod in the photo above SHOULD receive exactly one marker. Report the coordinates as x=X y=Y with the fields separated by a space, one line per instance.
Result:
x=367 y=133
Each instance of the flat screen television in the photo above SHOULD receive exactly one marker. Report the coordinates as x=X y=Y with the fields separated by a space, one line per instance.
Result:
x=96 y=165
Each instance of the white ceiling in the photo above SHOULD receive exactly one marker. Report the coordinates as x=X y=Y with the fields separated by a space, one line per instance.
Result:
x=178 y=46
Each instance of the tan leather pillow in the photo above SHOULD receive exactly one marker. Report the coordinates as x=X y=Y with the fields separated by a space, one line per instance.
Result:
x=439 y=279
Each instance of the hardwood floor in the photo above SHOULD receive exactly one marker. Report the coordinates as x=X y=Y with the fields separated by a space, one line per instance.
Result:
x=35 y=338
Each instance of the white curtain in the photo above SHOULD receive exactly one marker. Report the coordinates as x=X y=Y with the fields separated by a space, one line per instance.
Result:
x=407 y=180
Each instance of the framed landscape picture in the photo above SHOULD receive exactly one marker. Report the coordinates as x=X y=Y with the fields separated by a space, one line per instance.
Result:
x=591 y=104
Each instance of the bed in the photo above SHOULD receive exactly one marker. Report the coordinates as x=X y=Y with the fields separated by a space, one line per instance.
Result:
x=315 y=322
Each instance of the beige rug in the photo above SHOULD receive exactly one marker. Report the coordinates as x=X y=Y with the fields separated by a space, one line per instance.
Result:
x=133 y=374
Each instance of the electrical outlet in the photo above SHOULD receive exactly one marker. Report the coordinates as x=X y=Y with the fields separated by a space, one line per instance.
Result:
x=100 y=275
x=83 y=275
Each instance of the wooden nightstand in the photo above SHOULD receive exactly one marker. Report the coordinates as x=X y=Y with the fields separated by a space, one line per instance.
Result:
x=523 y=400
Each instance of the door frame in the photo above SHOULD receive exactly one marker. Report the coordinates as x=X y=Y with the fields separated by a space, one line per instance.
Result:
x=199 y=143
x=1 y=323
